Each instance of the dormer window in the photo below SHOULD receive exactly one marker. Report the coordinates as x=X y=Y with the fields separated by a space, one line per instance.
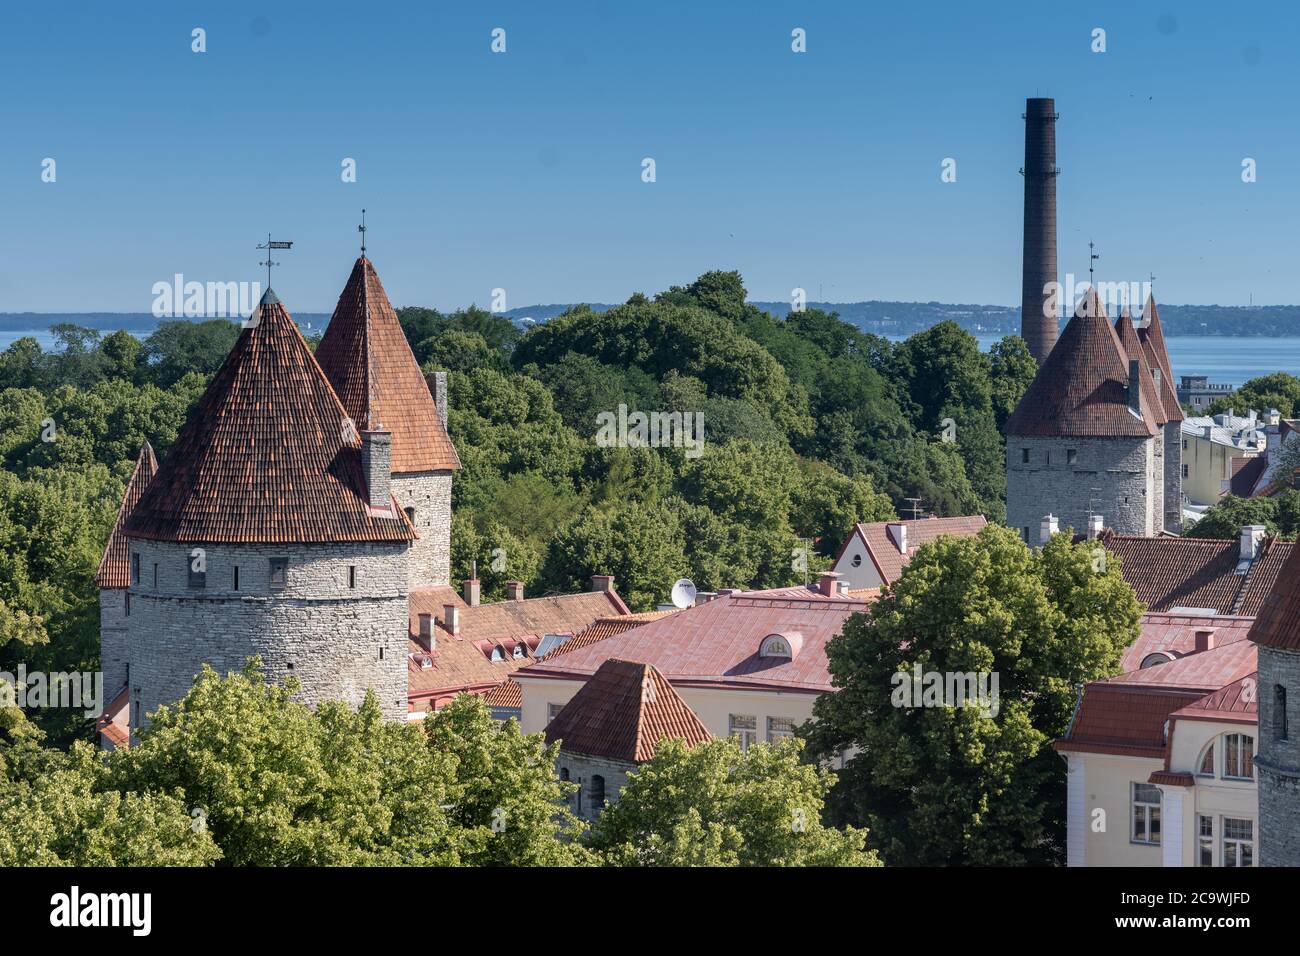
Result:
x=498 y=654
x=1151 y=660
x=519 y=652
x=781 y=645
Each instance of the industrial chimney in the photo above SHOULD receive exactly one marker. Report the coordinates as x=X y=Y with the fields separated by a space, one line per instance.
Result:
x=1039 y=265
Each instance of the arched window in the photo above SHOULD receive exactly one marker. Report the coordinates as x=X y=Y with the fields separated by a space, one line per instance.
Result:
x=498 y=654
x=1206 y=766
x=1151 y=660
x=410 y=514
x=564 y=774
x=857 y=561
x=519 y=652
x=597 y=792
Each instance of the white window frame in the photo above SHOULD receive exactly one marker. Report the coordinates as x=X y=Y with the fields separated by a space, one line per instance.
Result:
x=746 y=735
x=1204 y=841
x=774 y=735
x=1237 y=843
x=1246 y=746
x=1147 y=811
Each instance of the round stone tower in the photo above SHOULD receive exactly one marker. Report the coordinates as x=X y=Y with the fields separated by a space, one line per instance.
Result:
x=270 y=529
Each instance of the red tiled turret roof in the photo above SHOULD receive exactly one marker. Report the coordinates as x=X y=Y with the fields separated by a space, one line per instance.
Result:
x=268 y=455
x=1081 y=389
x=1153 y=340
x=623 y=712
x=1278 y=621
x=115 y=566
x=367 y=359
x=1133 y=348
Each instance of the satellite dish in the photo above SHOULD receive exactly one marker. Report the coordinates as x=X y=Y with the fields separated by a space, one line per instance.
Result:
x=684 y=593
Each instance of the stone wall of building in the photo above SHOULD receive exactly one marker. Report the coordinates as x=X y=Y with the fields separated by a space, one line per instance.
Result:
x=581 y=768
x=114 y=651
x=428 y=495
x=1158 y=484
x=1117 y=475
x=339 y=625
x=1277 y=763
x=1173 y=496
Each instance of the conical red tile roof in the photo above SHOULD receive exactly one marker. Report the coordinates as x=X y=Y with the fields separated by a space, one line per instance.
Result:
x=1278 y=622
x=268 y=455
x=1153 y=339
x=622 y=712
x=115 y=566
x=1081 y=390
x=367 y=359
x=1133 y=348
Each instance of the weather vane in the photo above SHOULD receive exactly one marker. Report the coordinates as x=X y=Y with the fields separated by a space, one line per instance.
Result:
x=1092 y=257
x=268 y=246
x=362 y=229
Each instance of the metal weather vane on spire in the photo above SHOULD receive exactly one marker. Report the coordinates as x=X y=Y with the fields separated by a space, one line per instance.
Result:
x=1092 y=257
x=269 y=245
x=362 y=229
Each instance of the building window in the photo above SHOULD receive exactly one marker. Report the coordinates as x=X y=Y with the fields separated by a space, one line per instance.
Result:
x=1024 y=456
x=553 y=711
x=519 y=653
x=1185 y=471
x=1205 y=841
x=410 y=514
x=128 y=604
x=155 y=575
x=1026 y=534
x=1146 y=814
x=236 y=577
x=381 y=652
x=198 y=579
x=1238 y=759
x=498 y=655
x=1207 y=762
x=778 y=728
x=1279 y=711
x=1185 y=441
x=1071 y=456
x=1238 y=842
x=597 y=792
x=135 y=568
x=744 y=728
x=279 y=573
x=352 y=575
x=857 y=561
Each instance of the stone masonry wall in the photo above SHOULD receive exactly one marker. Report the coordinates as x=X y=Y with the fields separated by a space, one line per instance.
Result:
x=429 y=493
x=1122 y=470
x=113 y=644
x=1277 y=764
x=1174 y=477
x=337 y=639
x=582 y=768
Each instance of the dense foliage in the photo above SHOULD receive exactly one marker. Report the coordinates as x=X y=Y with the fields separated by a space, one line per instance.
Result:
x=1280 y=514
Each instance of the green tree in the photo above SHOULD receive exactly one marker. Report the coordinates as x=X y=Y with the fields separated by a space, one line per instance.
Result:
x=1280 y=390
x=1011 y=371
x=714 y=805
x=178 y=347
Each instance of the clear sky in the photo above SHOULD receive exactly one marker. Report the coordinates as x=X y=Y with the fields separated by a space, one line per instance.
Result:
x=523 y=170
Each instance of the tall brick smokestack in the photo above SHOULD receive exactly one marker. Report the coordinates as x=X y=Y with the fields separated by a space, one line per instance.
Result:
x=1039 y=267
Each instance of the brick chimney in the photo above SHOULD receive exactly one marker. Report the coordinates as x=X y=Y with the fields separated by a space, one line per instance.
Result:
x=426 y=632
x=1135 y=387
x=898 y=534
x=1204 y=641
x=828 y=583
x=440 y=395
x=451 y=618
x=470 y=591
x=1252 y=536
x=376 y=462
x=602 y=582
x=514 y=590
x=1050 y=525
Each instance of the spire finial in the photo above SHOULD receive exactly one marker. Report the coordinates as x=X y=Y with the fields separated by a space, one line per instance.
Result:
x=1092 y=257
x=272 y=244
x=362 y=229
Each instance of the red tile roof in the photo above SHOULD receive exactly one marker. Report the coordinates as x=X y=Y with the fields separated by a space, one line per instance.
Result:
x=115 y=566
x=604 y=628
x=1152 y=336
x=1133 y=348
x=889 y=561
x=1169 y=572
x=113 y=723
x=505 y=694
x=1236 y=703
x=1114 y=718
x=623 y=712
x=1082 y=387
x=1171 y=778
x=367 y=359
x=1278 y=621
x=1175 y=635
x=1203 y=671
x=268 y=455
x=716 y=644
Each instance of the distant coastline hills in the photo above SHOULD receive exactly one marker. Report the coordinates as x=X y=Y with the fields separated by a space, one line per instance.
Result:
x=882 y=318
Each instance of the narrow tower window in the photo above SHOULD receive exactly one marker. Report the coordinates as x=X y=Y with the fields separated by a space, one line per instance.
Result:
x=135 y=568
x=1279 y=711
x=236 y=577
x=352 y=575
x=279 y=573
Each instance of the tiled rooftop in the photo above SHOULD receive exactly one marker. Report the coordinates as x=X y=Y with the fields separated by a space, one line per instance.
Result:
x=115 y=566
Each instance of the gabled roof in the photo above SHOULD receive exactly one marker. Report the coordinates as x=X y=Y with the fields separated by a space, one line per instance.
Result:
x=115 y=566
x=367 y=359
x=1236 y=702
x=622 y=713
x=1278 y=621
x=1170 y=572
x=603 y=628
x=1119 y=719
x=1203 y=671
x=884 y=553
x=268 y=455
x=717 y=644
x=1081 y=389
x=507 y=694
x=1133 y=348
x=1152 y=336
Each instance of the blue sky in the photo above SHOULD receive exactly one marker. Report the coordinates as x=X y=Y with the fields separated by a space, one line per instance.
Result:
x=522 y=170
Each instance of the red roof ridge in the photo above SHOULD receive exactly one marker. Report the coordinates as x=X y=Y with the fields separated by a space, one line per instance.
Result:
x=1278 y=622
x=1132 y=345
x=114 y=567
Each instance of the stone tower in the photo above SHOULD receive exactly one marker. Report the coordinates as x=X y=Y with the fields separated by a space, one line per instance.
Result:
x=1277 y=764
x=1082 y=439
x=260 y=535
x=366 y=357
x=1134 y=350
x=1152 y=337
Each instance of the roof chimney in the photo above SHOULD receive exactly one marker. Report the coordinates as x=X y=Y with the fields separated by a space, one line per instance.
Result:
x=426 y=632
x=1135 y=387
x=602 y=582
x=1095 y=525
x=828 y=583
x=1252 y=535
x=514 y=590
x=376 y=461
x=1158 y=376
x=1204 y=640
x=471 y=590
x=1049 y=526
x=1038 y=268
x=451 y=618
x=897 y=532
x=440 y=395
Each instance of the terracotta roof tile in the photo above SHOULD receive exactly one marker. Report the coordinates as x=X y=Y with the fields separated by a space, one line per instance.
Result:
x=1171 y=778
x=604 y=628
x=1082 y=387
x=1237 y=701
x=113 y=723
x=884 y=553
x=115 y=566
x=1152 y=397
x=1278 y=620
x=268 y=455
x=505 y=694
x=1203 y=671
x=1153 y=338
x=1113 y=718
x=622 y=712
x=1175 y=635
x=370 y=364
